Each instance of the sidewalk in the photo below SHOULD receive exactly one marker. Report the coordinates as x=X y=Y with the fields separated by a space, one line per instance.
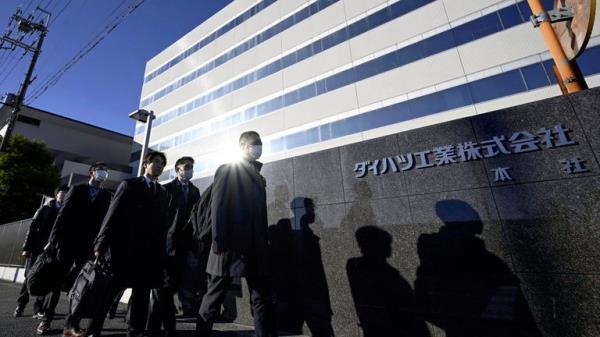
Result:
x=25 y=326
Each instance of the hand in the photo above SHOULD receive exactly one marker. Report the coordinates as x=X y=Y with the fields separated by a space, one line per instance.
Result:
x=26 y=254
x=97 y=254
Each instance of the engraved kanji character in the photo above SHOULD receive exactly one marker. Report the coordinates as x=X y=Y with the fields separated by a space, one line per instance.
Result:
x=406 y=159
x=574 y=165
x=444 y=155
x=374 y=166
x=493 y=147
x=469 y=151
x=424 y=160
x=501 y=174
x=548 y=137
x=388 y=162
x=361 y=169
x=523 y=141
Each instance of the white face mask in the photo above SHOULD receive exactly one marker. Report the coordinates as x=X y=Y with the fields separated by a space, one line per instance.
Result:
x=101 y=175
x=187 y=174
x=254 y=151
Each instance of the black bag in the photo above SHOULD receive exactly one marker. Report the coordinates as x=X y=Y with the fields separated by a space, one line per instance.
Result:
x=91 y=289
x=43 y=275
x=201 y=218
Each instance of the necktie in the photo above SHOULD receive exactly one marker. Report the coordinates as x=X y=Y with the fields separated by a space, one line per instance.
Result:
x=93 y=193
x=153 y=187
x=185 y=189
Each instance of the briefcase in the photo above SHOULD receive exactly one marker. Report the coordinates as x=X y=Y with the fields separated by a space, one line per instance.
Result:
x=42 y=277
x=92 y=287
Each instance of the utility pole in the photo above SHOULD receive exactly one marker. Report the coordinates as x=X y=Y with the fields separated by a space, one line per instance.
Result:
x=26 y=26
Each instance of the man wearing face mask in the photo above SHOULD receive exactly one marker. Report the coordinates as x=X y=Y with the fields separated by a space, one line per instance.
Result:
x=35 y=240
x=72 y=238
x=132 y=237
x=181 y=197
x=239 y=238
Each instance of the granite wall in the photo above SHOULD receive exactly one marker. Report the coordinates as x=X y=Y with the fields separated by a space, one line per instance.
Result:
x=502 y=241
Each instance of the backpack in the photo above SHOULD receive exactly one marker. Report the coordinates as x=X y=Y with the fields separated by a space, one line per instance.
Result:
x=200 y=219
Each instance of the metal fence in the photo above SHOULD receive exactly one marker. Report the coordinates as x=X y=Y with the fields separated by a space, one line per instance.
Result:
x=12 y=236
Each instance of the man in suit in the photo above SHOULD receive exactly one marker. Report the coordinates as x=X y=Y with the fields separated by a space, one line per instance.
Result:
x=239 y=238
x=72 y=238
x=182 y=195
x=35 y=240
x=132 y=238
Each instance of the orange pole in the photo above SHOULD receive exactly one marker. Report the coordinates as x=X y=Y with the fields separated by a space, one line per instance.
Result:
x=567 y=74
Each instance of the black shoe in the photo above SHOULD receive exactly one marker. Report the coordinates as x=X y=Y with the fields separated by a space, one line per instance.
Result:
x=18 y=311
x=38 y=316
x=203 y=328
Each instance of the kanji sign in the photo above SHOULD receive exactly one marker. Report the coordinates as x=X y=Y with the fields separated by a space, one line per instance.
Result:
x=451 y=154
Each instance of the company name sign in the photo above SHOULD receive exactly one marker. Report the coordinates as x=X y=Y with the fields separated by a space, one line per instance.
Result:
x=546 y=138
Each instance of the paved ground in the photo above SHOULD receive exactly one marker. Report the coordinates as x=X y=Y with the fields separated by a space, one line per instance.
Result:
x=25 y=326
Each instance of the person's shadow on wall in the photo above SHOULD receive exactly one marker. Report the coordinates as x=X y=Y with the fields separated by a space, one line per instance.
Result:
x=463 y=288
x=299 y=283
x=383 y=299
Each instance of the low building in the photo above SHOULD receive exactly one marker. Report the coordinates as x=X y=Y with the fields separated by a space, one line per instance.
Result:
x=74 y=144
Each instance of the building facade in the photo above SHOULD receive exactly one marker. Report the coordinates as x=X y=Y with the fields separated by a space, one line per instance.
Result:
x=310 y=75
x=74 y=144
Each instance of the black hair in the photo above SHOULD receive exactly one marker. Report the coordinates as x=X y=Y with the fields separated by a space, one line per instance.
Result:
x=183 y=159
x=149 y=157
x=247 y=135
x=97 y=164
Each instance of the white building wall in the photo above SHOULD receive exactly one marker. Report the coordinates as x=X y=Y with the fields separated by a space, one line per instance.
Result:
x=481 y=58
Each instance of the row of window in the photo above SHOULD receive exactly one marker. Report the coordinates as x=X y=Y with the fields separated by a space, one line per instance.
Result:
x=375 y=20
x=252 y=11
x=419 y=50
x=509 y=83
x=242 y=48
x=486 y=25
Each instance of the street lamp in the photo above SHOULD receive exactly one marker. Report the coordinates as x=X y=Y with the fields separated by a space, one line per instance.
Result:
x=143 y=116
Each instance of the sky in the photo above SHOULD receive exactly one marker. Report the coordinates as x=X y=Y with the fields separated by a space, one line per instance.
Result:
x=103 y=87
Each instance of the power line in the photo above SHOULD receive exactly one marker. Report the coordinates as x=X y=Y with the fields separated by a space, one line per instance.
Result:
x=12 y=69
x=96 y=40
x=59 y=13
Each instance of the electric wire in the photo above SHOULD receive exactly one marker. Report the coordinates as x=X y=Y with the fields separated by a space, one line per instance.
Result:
x=94 y=42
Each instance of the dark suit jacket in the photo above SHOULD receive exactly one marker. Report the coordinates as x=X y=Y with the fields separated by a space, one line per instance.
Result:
x=134 y=231
x=179 y=236
x=40 y=228
x=239 y=221
x=78 y=222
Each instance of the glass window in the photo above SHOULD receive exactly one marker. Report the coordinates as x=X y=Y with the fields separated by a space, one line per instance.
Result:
x=335 y=81
x=358 y=27
x=384 y=116
x=325 y=132
x=290 y=98
x=510 y=16
x=535 y=76
x=588 y=61
x=321 y=87
x=307 y=92
x=295 y=140
x=378 y=18
x=437 y=43
x=304 y=53
x=276 y=145
x=550 y=71
x=497 y=86
x=346 y=126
